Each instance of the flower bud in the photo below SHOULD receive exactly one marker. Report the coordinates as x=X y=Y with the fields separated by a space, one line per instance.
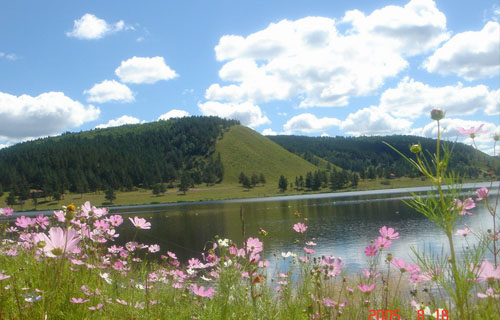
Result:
x=437 y=114
x=70 y=207
x=496 y=137
x=41 y=244
x=416 y=148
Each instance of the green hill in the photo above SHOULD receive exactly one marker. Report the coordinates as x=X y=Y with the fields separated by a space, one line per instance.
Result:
x=244 y=150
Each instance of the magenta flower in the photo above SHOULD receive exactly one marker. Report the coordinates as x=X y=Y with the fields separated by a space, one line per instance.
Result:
x=300 y=227
x=366 y=288
x=487 y=272
x=42 y=221
x=59 y=241
x=464 y=206
x=79 y=300
x=200 y=291
x=25 y=222
x=472 y=132
x=482 y=193
x=99 y=306
x=60 y=215
x=101 y=225
x=489 y=293
x=115 y=220
x=140 y=223
x=382 y=243
x=388 y=233
x=7 y=211
x=371 y=251
x=309 y=251
x=329 y=303
x=254 y=245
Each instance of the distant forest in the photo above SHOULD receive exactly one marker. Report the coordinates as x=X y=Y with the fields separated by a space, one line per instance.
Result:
x=371 y=158
x=120 y=158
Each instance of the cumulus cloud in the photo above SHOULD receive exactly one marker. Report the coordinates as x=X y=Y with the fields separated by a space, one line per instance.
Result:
x=47 y=114
x=308 y=123
x=269 y=132
x=311 y=59
x=90 y=27
x=144 y=70
x=373 y=121
x=411 y=99
x=247 y=113
x=174 y=113
x=471 y=55
x=109 y=90
x=119 y=122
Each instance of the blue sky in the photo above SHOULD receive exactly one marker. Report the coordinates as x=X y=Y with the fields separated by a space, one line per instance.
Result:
x=280 y=67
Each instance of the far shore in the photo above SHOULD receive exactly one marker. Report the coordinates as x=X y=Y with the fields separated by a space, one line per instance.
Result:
x=374 y=192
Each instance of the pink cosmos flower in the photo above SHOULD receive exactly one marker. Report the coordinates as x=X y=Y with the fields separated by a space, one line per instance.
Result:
x=488 y=272
x=371 y=251
x=7 y=211
x=59 y=241
x=172 y=255
x=382 y=243
x=464 y=206
x=25 y=222
x=60 y=215
x=79 y=300
x=300 y=227
x=309 y=251
x=329 y=303
x=463 y=232
x=122 y=302
x=140 y=223
x=3 y=276
x=254 y=245
x=371 y=274
x=99 y=306
x=115 y=220
x=400 y=264
x=154 y=248
x=482 y=193
x=264 y=264
x=366 y=288
x=101 y=225
x=42 y=221
x=200 y=291
x=388 y=233
x=489 y=293
x=472 y=132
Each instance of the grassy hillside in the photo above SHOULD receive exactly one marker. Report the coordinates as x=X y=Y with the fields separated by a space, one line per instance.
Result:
x=243 y=149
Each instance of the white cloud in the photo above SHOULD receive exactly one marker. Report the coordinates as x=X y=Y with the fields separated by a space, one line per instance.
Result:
x=247 y=113
x=9 y=56
x=174 y=113
x=119 y=122
x=411 y=99
x=144 y=70
x=90 y=27
x=324 y=134
x=310 y=59
x=269 y=132
x=471 y=55
x=47 y=114
x=308 y=123
x=109 y=90
x=373 y=121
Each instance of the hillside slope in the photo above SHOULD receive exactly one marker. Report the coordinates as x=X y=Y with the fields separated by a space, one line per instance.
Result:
x=244 y=150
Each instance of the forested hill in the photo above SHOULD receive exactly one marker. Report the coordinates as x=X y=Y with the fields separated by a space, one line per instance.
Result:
x=121 y=157
x=370 y=154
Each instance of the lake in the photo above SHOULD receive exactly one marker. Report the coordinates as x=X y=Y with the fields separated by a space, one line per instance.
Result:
x=341 y=224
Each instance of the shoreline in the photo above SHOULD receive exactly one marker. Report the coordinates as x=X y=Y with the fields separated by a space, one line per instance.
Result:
x=374 y=192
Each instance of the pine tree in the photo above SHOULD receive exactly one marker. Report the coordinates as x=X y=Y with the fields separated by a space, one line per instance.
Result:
x=11 y=199
x=262 y=179
x=282 y=183
x=185 y=182
x=110 y=194
x=246 y=182
x=254 y=180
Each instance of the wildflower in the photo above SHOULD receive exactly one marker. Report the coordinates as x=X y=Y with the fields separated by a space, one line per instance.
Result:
x=300 y=227
x=59 y=241
x=382 y=243
x=489 y=293
x=223 y=243
x=463 y=232
x=263 y=264
x=288 y=254
x=11 y=229
x=42 y=221
x=79 y=300
x=99 y=306
x=106 y=277
x=482 y=193
x=154 y=248
x=60 y=215
x=25 y=222
x=437 y=114
x=388 y=233
x=115 y=220
x=202 y=292
x=4 y=276
x=172 y=255
x=309 y=251
x=329 y=303
x=487 y=272
x=366 y=288
x=311 y=243
x=101 y=225
x=370 y=251
x=472 y=132
x=464 y=206
x=123 y=302
x=140 y=223
x=400 y=264
x=7 y=211
x=254 y=245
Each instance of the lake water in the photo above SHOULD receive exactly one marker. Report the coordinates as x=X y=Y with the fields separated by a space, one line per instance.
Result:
x=342 y=225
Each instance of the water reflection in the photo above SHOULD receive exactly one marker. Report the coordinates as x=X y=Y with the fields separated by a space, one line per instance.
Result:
x=342 y=227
